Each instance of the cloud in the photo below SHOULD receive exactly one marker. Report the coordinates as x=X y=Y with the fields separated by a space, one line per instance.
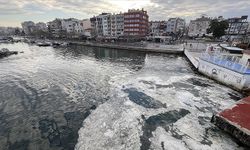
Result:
x=157 y=9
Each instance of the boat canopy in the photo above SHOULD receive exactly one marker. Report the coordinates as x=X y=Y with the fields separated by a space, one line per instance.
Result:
x=234 y=50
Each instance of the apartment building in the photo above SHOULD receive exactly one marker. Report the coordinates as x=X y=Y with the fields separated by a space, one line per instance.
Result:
x=87 y=27
x=41 y=26
x=101 y=24
x=117 y=25
x=237 y=25
x=108 y=25
x=157 y=28
x=72 y=26
x=175 y=25
x=199 y=26
x=136 y=23
x=28 y=27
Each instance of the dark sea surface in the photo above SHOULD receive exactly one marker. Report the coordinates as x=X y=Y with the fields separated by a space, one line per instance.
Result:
x=57 y=98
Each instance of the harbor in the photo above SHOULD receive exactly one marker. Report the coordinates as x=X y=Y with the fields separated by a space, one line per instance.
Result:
x=128 y=92
x=124 y=75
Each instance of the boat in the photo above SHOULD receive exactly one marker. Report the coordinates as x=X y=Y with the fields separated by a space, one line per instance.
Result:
x=229 y=65
x=43 y=44
x=6 y=40
x=56 y=44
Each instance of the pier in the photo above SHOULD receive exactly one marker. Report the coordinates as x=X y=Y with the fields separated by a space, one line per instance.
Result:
x=236 y=120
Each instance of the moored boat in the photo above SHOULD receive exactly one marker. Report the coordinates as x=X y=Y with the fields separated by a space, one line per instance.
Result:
x=44 y=44
x=229 y=65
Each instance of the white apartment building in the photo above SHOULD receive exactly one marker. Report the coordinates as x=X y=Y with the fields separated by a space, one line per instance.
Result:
x=108 y=25
x=72 y=25
x=199 y=26
x=175 y=25
x=117 y=25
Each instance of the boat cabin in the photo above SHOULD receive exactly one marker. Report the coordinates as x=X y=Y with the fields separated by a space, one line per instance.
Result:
x=231 y=50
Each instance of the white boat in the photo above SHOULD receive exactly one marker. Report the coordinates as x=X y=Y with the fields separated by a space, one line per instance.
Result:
x=229 y=65
x=44 y=44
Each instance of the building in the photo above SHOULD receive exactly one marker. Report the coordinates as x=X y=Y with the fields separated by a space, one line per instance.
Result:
x=72 y=26
x=132 y=23
x=87 y=27
x=157 y=28
x=6 y=31
x=248 y=30
x=117 y=25
x=175 y=25
x=220 y=18
x=237 y=25
x=101 y=24
x=136 y=23
x=55 y=28
x=86 y=23
x=107 y=25
x=41 y=26
x=199 y=26
x=28 y=27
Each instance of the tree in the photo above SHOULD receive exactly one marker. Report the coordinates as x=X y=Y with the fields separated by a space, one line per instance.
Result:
x=217 y=28
x=17 y=31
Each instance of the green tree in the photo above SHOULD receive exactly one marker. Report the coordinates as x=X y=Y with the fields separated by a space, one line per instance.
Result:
x=217 y=28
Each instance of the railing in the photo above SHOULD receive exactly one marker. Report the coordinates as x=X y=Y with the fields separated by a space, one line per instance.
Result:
x=229 y=62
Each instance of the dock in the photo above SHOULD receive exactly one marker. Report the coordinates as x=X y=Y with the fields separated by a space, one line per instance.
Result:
x=193 y=51
x=236 y=121
x=193 y=58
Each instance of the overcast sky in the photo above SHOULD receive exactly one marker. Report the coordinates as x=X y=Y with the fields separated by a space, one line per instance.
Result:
x=13 y=12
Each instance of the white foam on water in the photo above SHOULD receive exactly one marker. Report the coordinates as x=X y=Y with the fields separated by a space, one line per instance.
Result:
x=117 y=124
x=161 y=140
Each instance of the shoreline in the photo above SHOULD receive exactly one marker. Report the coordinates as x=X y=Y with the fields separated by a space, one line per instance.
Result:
x=133 y=48
x=145 y=47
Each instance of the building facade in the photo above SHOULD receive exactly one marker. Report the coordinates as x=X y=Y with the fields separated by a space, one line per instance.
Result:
x=101 y=25
x=108 y=25
x=28 y=27
x=175 y=25
x=117 y=25
x=199 y=26
x=136 y=23
x=157 y=28
x=41 y=26
x=72 y=26
x=237 y=26
x=4 y=31
x=55 y=28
